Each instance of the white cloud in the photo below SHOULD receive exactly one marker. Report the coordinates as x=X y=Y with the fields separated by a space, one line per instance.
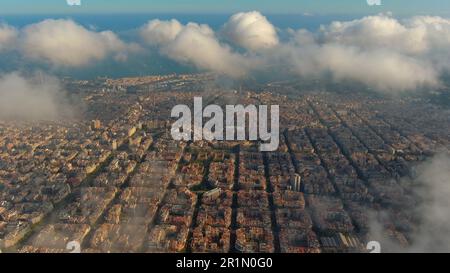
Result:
x=66 y=43
x=8 y=36
x=382 y=69
x=196 y=45
x=434 y=212
x=157 y=32
x=33 y=98
x=431 y=214
x=376 y=32
x=379 y=51
x=251 y=30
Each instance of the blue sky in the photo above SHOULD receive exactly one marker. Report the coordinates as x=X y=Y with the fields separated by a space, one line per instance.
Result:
x=403 y=7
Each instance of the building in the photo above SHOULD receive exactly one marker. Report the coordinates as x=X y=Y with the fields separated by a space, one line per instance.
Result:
x=296 y=182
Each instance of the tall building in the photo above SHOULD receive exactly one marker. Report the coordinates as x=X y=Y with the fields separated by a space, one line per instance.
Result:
x=296 y=182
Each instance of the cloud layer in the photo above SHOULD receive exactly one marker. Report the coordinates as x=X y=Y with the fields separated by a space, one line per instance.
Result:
x=381 y=52
x=197 y=45
x=431 y=190
x=157 y=32
x=8 y=36
x=65 y=43
x=251 y=30
x=434 y=233
x=382 y=69
x=39 y=97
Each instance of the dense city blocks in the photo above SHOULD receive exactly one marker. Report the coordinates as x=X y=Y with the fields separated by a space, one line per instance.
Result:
x=115 y=180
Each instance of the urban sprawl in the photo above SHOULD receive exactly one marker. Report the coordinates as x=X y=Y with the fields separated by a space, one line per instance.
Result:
x=115 y=180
